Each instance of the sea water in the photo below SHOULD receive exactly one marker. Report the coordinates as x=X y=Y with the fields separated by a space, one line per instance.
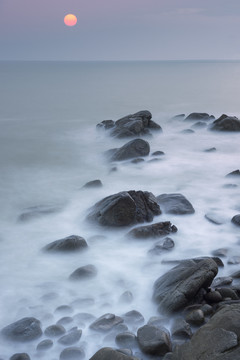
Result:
x=50 y=148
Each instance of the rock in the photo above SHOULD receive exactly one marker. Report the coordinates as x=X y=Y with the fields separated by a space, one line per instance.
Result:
x=175 y=204
x=178 y=117
x=126 y=297
x=226 y=123
x=45 y=345
x=26 y=329
x=199 y=116
x=158 y=153
x=133 y=149
x=179 y=286
x=236 y=220
x=84 y=317
x=157 y=321
x=54 y=331
x=195 y=317
x=106 y=322
x=71 y=338
x=153 y=341
x=181 y=329
x=230 y=186
x=93 y=184
x=152 y=231
x=234 y=173
x=234 y=260
x=125 y=208
x=221 y=281
x=20 y=356
x=110 y=354
x=84 y=273
x=35 y=212
x=236 y=275
x=199 y=125
x=215 y=218
x=207 y=309
x=133 y=317
x=65 y=320
x=138 y=124
x=137 y=160
x=126 y=340
x=72 y=353
x=227 y=292
x=212 y=149
x=220 y=252
x=218 y=339
x=161 y=246
x=64 y=309
x=187 y=131
x=67 y=244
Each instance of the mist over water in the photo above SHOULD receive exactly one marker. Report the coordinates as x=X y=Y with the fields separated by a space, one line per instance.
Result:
x=50 y=148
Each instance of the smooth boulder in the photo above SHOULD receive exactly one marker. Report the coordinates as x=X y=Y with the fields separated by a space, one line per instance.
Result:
x=175 y=204
x=153 y=231
x=132 y=149
x=67 y=244
x=111 y=354
x=125 y=208
x=178 y=287
x=199 y=117
x=153 y=340
x=25 y=329
x=226 y=123
x=106 y=322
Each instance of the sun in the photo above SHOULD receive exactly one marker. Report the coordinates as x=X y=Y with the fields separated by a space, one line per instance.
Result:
x=70 y=20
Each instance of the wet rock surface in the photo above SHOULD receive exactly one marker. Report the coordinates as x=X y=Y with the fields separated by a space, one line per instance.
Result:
x=153 y=341
x=175 y=204
x=106 y=322
x=70 y=243
x=23 y=330
x=226 y=123
x=133 y=149
x=153 y=231
x=109 y=353
x=84 y=273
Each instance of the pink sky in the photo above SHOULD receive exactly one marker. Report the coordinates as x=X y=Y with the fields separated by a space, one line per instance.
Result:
x=120 y=30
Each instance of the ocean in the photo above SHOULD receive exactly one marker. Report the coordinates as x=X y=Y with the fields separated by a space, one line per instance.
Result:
x=50 y=148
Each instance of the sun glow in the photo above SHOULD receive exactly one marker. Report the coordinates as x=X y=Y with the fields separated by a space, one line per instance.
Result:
x=70 y=20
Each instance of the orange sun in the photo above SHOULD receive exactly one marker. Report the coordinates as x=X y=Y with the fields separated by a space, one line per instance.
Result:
x=70 y=20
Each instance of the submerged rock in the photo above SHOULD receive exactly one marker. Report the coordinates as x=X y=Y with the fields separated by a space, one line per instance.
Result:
x=226 y=123
x=106 y=322
x=84 y=273
x=137 y=124
x=69 y=243
x=54 y=331
x=236 y=220
x=26 y=329
x=162 y=246
x=20 y=356
x=133 y=149
x=218 y=339
x=199 y=117
x=111 y=354
x=153 y=231
x=234 y=173
x=71 y=338
x=175 y=204
x=179 y=286
x=93 y=184
x=45 y=345
x=125 y=208
x=35 y=212
x=72 y=353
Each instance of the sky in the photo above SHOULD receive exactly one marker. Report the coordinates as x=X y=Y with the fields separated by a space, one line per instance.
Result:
x=120 y=30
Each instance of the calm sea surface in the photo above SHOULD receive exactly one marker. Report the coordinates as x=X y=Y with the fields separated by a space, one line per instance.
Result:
x=49 y=148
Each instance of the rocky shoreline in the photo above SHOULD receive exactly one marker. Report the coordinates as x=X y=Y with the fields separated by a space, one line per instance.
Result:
x=199 y=312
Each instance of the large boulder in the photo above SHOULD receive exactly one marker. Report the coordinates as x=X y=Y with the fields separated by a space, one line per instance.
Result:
x=226 y=123
x=125 y=208
x=133 y=149
x=175 y=204
x=25 y=329
x=179 y=286
x=199 y=116
x=111 y=354
x=217 y=340
x=133 y=125
x=153 y=231
x=67 y=244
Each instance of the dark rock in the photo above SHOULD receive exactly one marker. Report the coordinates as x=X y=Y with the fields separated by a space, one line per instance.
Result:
x=226 y=123
x=93 y=184
x=236 y=275
x=195 y=317
x=84 y=273
x=111 y=354
x=227 y=292
x=26 y=329
x=212 y=149
x=218 y=339
x=220 y=252
x=71 y=338
x=175 y=204
x=54 y=331
x=20 y=356
x=213 y=297
x=153 y=231
x=126 y=340
x=137 y=160
x=65 y=320
x=133 y=149
x=66 y=309
x=207 y=309
x=181 y=329
x=69 y=243
x=221 y=281
x=199 y=116
x=162 y=246
x=157 y=321
x=236 y=220
x=72 y=353
x=199 y=125
x=45 y=345
x=168 y=356
x=35 y=212
x=179 y=286
x=133 y=317
x=127 y=352
x=125 y=208
x=158 y=153
x=178 y=117
x=126 y=297
x=106 y=124
x=234 y=173
x=153 y=341
x=106 y=322
x=230 y=186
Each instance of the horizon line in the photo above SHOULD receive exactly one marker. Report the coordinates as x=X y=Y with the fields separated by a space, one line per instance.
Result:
x=99 y=60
